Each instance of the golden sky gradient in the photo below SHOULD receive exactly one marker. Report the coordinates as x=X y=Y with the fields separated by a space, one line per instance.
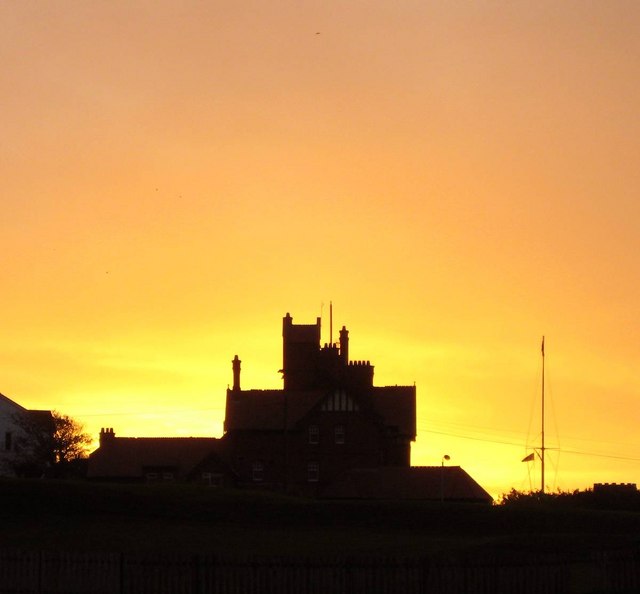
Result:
x=459 y=178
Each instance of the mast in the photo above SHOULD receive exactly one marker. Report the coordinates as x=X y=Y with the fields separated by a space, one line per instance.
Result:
x=331 y=323
x=542 y=448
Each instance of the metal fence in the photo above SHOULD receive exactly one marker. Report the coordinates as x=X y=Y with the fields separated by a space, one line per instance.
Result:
x=56 y=572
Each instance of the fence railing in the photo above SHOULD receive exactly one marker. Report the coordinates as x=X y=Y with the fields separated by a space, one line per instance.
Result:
x=55 y=572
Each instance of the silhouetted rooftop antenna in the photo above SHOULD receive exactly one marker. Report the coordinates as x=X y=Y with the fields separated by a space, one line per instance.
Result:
x=330 y=322
x=542 y=448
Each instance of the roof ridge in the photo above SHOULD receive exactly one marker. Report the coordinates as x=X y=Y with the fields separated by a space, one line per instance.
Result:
x=7 y=399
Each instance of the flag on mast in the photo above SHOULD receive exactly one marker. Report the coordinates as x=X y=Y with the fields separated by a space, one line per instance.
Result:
x=530 y=458
x=542 y=347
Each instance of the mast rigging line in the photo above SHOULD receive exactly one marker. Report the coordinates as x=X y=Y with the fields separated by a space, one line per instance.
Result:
x=522 y=445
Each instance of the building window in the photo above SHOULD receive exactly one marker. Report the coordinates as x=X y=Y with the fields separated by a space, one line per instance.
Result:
x=8 y=441
x=257 y=472
x=339 y=401
x=339 y=434
x=313 y=472
x=212 y=479
x=167 y=476
x=314 y=434
x=152 y=476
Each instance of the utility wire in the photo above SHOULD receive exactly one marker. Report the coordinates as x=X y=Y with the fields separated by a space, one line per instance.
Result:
x=511 y=443
x=168 y=411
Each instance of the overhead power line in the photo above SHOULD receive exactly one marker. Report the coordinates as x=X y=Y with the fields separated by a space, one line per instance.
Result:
x=523 y=445
x=146 y=413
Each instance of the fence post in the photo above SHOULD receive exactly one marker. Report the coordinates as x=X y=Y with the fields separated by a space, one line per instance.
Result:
x=195 y=588
x=121 y=573
x=39 y=584
x=348 y=575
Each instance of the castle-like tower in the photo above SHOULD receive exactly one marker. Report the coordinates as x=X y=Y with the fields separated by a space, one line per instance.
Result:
x=308 y=366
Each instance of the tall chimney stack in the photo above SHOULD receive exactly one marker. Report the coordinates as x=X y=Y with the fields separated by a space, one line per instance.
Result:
x=236 y=373
x=344 y=345
x=107 y=436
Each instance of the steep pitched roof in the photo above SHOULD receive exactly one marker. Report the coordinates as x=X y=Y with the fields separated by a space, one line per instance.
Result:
x=10 y=403
x=264 y=410
x=10 y=409
x=127 y=457
x=450 y=483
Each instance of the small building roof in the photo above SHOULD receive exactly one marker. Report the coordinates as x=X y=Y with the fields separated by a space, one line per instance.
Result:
x=449 y=483
x=128 y=457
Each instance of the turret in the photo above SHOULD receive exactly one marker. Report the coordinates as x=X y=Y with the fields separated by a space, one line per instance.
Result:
x=301 y=350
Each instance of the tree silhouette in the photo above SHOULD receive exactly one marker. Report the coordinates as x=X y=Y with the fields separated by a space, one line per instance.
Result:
x=50 y=445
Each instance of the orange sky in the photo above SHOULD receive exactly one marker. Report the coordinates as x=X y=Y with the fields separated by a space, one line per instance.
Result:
x=459 y=178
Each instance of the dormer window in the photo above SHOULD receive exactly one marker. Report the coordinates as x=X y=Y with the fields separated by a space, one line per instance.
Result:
x=339 y=401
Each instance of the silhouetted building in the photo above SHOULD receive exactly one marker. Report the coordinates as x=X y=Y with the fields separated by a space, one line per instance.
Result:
x=328 y=432
x=436 y=483
x=615 y=488
x=158 y=459
x=18 y=428
x=616 y=495
x=328 y=418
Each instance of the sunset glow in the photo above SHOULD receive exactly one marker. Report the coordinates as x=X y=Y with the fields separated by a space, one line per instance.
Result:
x=459 y=179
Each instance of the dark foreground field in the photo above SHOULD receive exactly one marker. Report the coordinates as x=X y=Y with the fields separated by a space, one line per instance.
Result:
x=46 y=515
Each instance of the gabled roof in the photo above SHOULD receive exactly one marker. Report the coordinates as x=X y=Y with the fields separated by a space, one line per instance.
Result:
x=38 y=418
x=449 y=483
x=8 y=402
x=264 y=410
x=128 y=457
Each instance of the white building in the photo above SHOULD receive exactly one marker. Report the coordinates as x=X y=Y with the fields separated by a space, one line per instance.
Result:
x=12 y=435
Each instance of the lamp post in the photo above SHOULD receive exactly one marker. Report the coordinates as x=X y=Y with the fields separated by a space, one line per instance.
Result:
x=446 y=457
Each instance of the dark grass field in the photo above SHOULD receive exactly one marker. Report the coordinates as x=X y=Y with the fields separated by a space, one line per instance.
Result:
x=49 y=515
